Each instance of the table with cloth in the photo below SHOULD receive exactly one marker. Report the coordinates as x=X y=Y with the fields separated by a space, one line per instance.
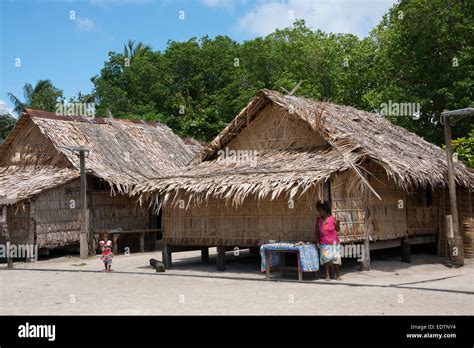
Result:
x=274 y=255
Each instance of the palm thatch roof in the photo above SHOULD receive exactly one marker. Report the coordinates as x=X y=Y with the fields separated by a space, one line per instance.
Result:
x=352 y=136
x=122 y=152
x=18 y=183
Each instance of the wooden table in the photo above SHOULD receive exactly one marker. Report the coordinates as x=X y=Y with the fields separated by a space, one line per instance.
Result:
x=297 y=252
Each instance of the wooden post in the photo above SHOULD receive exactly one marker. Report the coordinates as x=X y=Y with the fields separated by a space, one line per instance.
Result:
x=115 y=238
x=365 y=264
x=455 y=242
x=221 y=258
x=90 y=232
x=32 y=225
x=205 y=255
x=300 y=271
x=166 y=256
x=142 y=242
x=7 y=236
x=84 y=238
x=405 y=248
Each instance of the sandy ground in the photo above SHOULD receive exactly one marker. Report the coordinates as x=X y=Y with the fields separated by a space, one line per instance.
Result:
x=68 y=285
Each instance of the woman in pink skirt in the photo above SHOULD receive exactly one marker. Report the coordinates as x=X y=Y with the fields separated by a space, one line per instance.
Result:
x=328 y=241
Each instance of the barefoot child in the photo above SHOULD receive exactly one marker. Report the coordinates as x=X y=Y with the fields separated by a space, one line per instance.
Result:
x=106 y=247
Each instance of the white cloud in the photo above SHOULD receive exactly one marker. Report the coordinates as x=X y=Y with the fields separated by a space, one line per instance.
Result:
x=84 y=24
x=338 y=16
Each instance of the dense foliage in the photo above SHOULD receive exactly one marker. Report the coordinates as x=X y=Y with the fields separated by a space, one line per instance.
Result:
x=422 y=53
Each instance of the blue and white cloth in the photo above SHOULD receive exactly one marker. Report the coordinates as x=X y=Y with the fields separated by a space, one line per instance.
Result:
x=308 y=254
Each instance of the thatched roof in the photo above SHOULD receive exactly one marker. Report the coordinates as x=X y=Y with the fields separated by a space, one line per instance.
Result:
x=353 y=136
x=21 y=182
x=122 y=152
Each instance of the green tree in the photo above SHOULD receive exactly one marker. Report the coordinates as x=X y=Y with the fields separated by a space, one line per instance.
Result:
x=43 y=96
x=425 y=54
x=132 y=50
x=464 y=147
x=7 y=122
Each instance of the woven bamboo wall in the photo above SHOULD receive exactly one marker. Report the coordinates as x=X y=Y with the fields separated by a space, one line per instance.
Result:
x=32 y=147
x=248 y=225
x=388 y=219
x=422 y=218
x=120 y=213
x=57 y=224
x=18 y=224
x=272 y=129
x=255 y=223
x=465 y=203
x=348 y=208
x=116 y=212
x=251 y=224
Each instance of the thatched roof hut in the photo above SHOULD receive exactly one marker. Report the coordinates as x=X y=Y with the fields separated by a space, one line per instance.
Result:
x=337 y=138
x=122 y=152
x=39 y=178
x=260 y=178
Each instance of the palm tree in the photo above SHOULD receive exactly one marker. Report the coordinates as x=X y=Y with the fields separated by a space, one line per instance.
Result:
x=43 y=96
x=130 y=50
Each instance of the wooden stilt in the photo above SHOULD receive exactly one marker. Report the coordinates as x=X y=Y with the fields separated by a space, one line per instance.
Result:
x=7 y=236
x=167 y=260
x=405 y=248
x=114 y=243
x=32 y=226
x=221 y=258
x=205 y=255
x=300 y=271
x=365 y=264
x=453 y=235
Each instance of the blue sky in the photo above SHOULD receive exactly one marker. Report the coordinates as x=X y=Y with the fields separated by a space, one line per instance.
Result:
x=67 y=41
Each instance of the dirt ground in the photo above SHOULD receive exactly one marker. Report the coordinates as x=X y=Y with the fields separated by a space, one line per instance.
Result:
x=68 y=285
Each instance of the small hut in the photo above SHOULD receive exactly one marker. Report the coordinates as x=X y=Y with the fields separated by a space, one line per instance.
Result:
x=40 y=178
x=260 y=178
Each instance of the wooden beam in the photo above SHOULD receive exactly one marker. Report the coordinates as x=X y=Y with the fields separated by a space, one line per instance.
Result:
x=32 y=225
x=83 y=241
x=90 y=222
x=365 y=264
x=115 y=238
x=7 y=235
x=395 y=243
x=221 y=258
x=455 y=242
